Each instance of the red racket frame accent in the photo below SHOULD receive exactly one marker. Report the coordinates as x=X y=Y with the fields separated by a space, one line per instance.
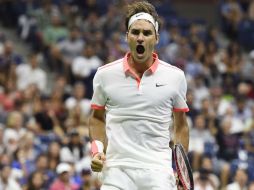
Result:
x=179 y=147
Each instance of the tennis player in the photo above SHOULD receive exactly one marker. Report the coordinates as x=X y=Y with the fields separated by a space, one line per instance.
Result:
x=137 y=100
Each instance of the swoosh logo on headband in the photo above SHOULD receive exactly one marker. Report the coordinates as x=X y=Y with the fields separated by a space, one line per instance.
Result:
x=137 y=15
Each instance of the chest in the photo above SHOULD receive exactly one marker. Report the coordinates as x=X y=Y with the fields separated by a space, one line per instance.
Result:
x=150 y=90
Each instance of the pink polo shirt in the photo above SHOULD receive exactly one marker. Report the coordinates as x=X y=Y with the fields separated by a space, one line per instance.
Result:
x=59 y=185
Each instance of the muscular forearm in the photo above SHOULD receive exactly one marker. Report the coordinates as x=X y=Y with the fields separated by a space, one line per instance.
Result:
x=97 y=129
x=181 y=130
x=182 y=136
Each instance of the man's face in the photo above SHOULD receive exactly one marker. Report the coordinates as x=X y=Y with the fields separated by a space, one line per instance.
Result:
x=141 y=38
x=65 y=177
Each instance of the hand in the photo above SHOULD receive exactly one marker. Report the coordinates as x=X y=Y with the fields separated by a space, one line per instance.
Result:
x=178 y=182
x=97 y=162
x=180 y=186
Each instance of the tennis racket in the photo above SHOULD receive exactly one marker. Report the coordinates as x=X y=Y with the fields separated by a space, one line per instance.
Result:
x=183 y=167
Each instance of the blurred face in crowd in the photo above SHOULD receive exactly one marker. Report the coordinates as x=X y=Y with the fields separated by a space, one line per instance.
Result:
x=42 y=162
x=74 y=34
x=15 y=120
x=5 y=159
x=55 y=19
x=79 y=90
x=5 y=173
x=141 y=39
x=200 y=122
x=75 y=139
x=38 y=180
x=54 y=149
x=65 y=177
x=88 y=51
x=8 y=47
x=34 y=61
x=226 y=125
x=241 y=177
x=87 y=179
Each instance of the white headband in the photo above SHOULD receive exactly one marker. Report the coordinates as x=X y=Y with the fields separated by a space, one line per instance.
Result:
x=145 y=16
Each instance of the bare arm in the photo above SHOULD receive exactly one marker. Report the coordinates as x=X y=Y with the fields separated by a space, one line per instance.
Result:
x=97 y=127
x=97 y=135
x=181 y=130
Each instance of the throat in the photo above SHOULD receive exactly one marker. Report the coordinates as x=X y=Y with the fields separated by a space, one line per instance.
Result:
x=140 y=68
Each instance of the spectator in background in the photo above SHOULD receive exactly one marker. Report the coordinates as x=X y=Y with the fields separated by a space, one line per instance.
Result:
x=6 y=181
x=200 y=91
x=63 y=171
x=240 y=180
x=232 y=14
x=76 y=120
x=228 y=149
x=90 y=25
x=248 y=67
x=78 y=99
x=116 y=46
x=87 y=180
x=8 y=62
x=84 y=67
x=205 y=178
x=112 y=20
x=53 y=155
x=15 y=126
x=75 y=149
x=70 y=48
x=10 y=141
x=100 y=45
x=52 y=34
x=45 y=116
x=199 y=136
x=194 y=66
x=35 y=181
x=42 y=165
x=31 y=73
x=251 y=10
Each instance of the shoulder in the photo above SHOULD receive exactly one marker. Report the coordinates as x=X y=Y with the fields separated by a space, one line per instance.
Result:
x=111 y=66
x=170 y=68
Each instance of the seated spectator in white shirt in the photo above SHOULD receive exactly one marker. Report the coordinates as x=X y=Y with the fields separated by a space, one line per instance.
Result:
x=6 y=181
x=84 y=67
x=31 y=73
x=78 y=99
x=240 y=180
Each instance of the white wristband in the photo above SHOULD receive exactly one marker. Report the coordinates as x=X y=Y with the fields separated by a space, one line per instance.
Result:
x=97 y=147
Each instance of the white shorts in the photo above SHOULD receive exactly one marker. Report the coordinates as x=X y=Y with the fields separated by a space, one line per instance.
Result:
x=117 y=178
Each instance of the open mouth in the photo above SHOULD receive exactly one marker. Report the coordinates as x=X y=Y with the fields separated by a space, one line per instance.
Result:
x=140 y=49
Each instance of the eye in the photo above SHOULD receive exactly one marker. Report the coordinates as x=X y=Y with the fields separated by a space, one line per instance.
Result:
x=135 y=32
x=147 y=32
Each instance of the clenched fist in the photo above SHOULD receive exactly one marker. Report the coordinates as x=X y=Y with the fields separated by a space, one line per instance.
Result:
x=97 y=162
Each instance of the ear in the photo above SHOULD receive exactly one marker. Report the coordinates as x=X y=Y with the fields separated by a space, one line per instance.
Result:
x=126 y=36
x=157 y=38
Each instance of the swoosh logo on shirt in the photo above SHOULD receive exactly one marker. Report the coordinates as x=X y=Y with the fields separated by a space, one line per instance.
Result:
x=159 y=85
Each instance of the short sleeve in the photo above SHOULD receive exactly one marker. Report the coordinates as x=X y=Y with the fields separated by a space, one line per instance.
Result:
x=99 y=99
x=180 y=98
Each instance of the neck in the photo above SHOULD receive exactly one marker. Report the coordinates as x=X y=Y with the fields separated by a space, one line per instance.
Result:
x=141 y=67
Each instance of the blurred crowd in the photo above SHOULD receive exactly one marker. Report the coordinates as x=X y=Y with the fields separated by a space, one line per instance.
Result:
x=45 y=95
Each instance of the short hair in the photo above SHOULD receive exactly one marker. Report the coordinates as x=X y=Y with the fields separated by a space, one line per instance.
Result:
x=140 y=6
